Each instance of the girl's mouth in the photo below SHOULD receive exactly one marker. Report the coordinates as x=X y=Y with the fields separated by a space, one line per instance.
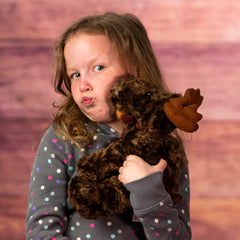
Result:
x=86 y=101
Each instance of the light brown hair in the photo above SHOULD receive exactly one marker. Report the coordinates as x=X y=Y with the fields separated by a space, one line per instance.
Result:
x=132 y=45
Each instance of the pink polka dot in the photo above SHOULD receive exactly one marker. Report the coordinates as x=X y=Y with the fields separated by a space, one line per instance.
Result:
x=46 y=213
x=65 y=161
x=50 y=177
x=133 y=231
x=53 y=238
x=54 y=140
x=29 y=230
x=157 y=234
x=70 y=156
x=177 y=232
x=31 y=194
x=92 y=225
x=89 y=146
x=61 y=223
x=161 y=214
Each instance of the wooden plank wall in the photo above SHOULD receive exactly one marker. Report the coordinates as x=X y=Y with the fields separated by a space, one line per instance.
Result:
x=197 y=44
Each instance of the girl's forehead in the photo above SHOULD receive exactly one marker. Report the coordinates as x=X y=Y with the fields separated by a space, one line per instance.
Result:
x=89 y=43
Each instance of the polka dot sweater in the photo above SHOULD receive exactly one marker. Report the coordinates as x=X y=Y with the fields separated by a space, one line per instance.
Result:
x=51 y=216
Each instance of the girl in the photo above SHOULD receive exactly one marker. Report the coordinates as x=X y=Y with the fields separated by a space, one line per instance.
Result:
x=90 y=56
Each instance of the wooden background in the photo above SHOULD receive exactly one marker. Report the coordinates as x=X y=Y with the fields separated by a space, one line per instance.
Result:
x=197 y=44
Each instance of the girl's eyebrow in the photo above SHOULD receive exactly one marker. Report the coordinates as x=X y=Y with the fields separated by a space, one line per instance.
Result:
x=71 y=69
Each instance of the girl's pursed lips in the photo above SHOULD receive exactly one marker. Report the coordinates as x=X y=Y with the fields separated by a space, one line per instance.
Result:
x=86 y=101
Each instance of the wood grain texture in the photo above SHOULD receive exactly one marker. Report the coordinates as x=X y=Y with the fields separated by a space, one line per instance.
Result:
x=197 y=44
x=26 y=72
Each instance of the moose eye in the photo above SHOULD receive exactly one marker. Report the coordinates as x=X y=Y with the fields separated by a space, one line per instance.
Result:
x=148 y=94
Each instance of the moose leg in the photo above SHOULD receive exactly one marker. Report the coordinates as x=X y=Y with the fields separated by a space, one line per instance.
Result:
x=98 y=199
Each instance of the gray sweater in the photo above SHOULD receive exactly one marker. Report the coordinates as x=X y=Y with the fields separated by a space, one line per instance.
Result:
x=51 y=216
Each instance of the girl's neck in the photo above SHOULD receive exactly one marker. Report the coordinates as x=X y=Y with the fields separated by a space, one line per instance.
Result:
x=117 y=126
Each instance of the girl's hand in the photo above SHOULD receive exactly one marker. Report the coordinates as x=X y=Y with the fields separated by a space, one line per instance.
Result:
x=135 y=168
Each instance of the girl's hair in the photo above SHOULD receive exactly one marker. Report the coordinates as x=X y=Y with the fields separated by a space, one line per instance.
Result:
x=132 y=46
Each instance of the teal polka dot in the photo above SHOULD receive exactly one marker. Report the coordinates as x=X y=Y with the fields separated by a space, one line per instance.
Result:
x=45 y=227
x=88 y=236
x=49 y=161
x=72 y=228
x=169 y=221
x=113 y=236
x=70 y=168
x=46 y=199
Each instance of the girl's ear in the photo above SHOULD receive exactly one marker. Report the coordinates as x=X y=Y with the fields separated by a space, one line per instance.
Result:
x=132 y=70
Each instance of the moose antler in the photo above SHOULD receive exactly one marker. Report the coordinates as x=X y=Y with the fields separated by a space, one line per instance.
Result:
x=182 y=111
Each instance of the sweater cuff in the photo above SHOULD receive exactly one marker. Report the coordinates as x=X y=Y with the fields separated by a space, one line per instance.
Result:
x=148 y=192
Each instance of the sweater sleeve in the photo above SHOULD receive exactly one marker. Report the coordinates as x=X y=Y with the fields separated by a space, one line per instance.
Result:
x=46 y=216
x=153 y=207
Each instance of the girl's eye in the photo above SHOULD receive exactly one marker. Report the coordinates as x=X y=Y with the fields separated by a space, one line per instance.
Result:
x=75 y=75
x=99 y=68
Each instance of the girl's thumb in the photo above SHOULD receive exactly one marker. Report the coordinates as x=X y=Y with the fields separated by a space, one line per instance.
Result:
x=161 y=165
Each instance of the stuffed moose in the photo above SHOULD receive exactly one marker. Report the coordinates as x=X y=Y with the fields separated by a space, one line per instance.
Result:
x=150 y=117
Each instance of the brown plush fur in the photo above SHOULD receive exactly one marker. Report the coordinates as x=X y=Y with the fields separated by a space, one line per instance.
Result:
x=96 y=191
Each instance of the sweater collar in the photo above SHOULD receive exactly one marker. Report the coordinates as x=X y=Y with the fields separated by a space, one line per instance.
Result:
x=105 y=129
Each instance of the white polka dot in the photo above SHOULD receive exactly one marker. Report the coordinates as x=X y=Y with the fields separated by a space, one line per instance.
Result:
x=52 y=155
x=95 y=137
x=45 y=149
x=50 y=221
x=83 y=149
x=55 y=209
x=183 y=211
x=156 y=220
x=119 y=231
x=78 y=238
x=78 y=224
x=34 y=179
x=40 y=221
x=112 y=130
x=186 y=176
x=42 y=187
x=52 y=193
x=59 y=170
x=169 y=229
x=109 y=224
x=57 y=231
x=161 y=203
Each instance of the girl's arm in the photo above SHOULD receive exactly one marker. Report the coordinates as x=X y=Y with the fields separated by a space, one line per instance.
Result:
x=47 y=203
x=153 y=206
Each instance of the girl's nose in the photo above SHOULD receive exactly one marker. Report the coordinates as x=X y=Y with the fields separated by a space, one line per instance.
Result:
x=85 y=86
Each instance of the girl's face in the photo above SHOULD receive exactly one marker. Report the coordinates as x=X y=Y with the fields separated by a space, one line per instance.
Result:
x=92 y=66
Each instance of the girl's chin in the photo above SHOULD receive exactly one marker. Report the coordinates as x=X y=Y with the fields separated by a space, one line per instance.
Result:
x=100 y=114
x=100 y=118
